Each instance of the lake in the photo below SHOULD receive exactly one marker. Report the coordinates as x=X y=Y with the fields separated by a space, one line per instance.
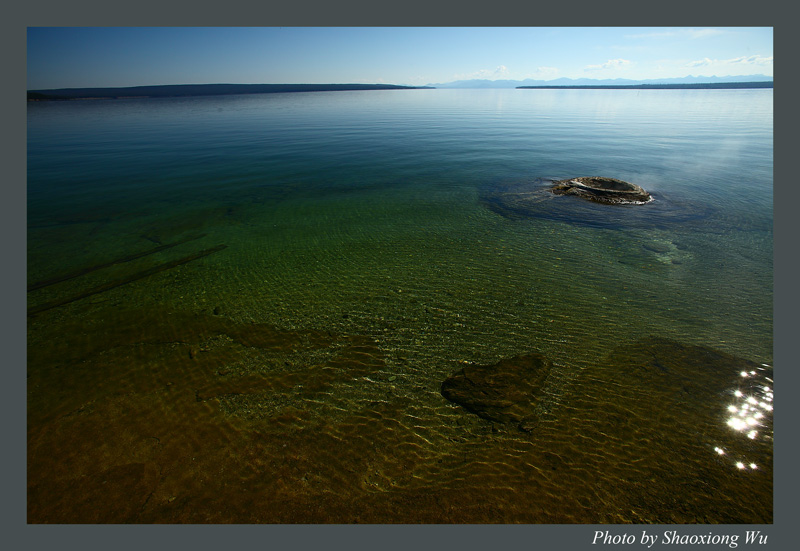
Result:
x=242 y=308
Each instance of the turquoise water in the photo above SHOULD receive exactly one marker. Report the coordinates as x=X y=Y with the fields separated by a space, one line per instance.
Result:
x=332 y=195
x=376 y=214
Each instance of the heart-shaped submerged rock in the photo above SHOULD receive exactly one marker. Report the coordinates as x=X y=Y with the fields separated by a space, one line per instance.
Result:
x=602 y=190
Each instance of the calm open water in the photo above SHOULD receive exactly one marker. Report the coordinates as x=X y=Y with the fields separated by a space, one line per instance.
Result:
x=293 y=375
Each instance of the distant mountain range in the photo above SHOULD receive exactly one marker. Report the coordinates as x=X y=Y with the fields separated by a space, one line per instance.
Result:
x=483 y=83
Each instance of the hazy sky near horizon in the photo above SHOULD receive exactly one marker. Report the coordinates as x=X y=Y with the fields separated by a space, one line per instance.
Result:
x=78 y=57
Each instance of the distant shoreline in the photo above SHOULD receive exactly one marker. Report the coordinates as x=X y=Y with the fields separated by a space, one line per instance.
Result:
x=187 y=90
x=690 y=86
x=192 y=90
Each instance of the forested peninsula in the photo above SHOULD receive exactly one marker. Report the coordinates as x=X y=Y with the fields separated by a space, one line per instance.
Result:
x=182 y=90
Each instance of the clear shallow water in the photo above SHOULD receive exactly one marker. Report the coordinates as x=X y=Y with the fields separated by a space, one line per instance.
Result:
x=368 y=215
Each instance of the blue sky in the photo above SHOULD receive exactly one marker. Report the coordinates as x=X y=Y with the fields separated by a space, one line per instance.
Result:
x=69 y=57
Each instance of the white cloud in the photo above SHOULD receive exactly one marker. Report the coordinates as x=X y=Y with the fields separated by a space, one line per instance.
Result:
x=700 y=62
x=753 y=60
x=544 y=73
x=501 y=71
x=744 y=60
x=610 y=64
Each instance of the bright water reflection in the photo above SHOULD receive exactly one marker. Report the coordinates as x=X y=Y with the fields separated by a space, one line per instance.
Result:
x=750 y=412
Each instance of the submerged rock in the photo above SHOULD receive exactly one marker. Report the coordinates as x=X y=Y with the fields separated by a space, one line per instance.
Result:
x=505 y=392
x=602 y=190
x=694 y=375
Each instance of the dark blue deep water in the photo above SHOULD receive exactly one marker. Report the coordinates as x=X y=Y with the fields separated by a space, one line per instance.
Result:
x=386 y=216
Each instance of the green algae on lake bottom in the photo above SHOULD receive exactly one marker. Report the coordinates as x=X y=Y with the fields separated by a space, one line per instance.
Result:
x=378 y=243
x=195 y=418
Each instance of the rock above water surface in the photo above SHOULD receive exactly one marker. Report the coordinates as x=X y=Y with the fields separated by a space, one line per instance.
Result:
x=602 y=190
x=505 y=392
x=536 y=198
